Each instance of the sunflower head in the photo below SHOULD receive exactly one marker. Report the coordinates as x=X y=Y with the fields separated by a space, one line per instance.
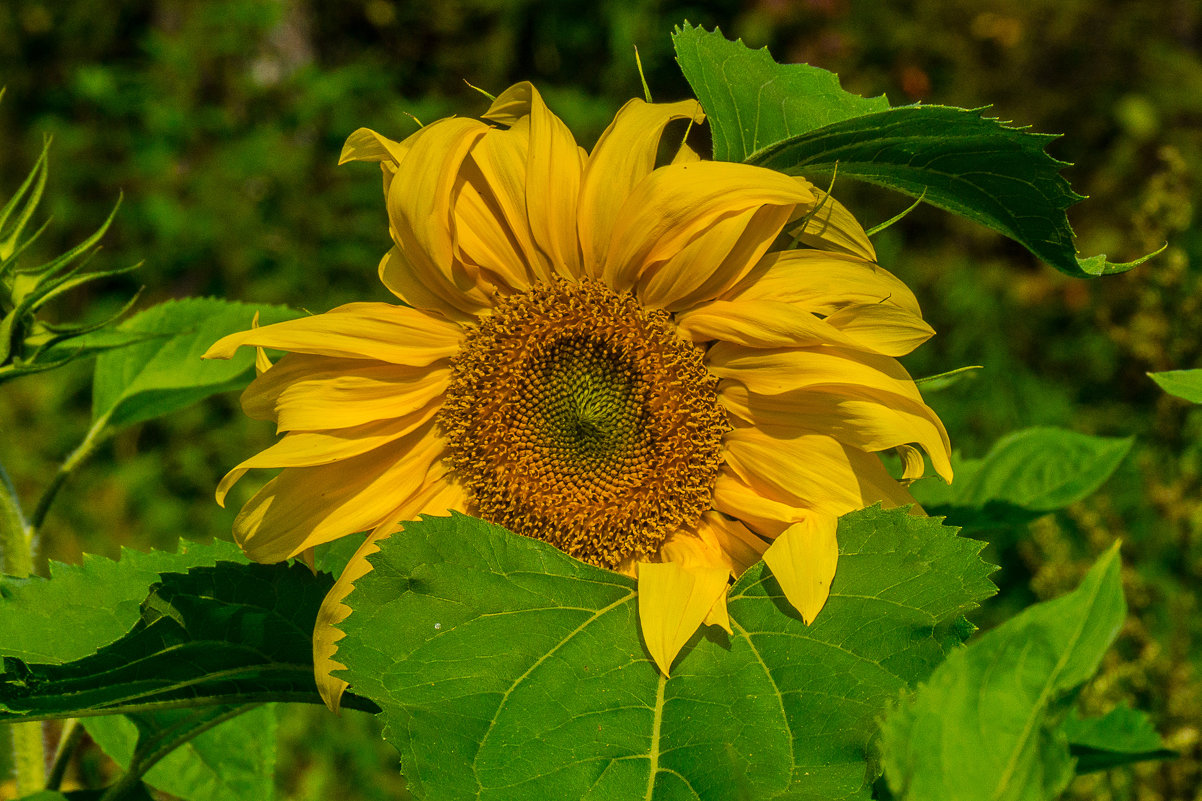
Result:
x=669 y=369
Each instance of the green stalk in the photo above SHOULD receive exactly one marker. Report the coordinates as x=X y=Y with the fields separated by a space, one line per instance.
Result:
x=29 y=754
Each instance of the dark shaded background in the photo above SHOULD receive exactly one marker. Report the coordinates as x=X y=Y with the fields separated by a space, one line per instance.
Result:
x=221 y=123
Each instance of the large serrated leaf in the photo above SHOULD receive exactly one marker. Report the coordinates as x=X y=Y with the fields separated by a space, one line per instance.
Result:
x=505 y=669
x=796 y=119
x=232 y=633
x=985 y=725
x=83 y=607
x=165 y=373
x=790 y=99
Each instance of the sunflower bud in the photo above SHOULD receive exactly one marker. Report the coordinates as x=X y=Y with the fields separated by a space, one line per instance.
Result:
x=27 y=343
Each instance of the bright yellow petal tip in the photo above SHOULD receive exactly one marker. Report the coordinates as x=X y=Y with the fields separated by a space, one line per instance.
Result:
x=674 y=601
x=803 y=560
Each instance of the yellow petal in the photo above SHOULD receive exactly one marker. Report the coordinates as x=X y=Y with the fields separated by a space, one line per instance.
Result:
x=714 y=542
x=764 y=516
x=357 y=331
x=676 y=204
x=262 y=363
x=713 y=262
x=881 y=327
x=553 y=174
x=367 y=145
x=437 y=499
x=401 y=278
x=833 y=227
x=912 y=464
x=497 y=169
x=309 y=449
x=868 y=420
x=823 y=282
x=771 y=371
x=306 y=506
x=511 y=105
x=718 y=614
x=811 y=471
x=624 y=155
x=673 y=603
x=419 y=211
x=803 y=560
x=303 y=392
x=758 y=324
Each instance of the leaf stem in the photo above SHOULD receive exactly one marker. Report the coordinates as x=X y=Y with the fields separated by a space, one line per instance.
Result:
x=71 y=737
x=149 y=752
x=93 y=438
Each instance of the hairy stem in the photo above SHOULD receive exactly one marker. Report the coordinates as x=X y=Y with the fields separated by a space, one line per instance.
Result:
x=71 y=737
x=29 y=754
x=93 y=438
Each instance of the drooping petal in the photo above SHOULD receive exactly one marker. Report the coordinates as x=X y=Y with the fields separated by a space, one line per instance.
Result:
x=553 y=172
x=303 y=392
x=830 y=226
x=419 y=212
x=758 y=324
x=771 y=371
x=765 y=517
x=438 y=499
x=813 y=471
x=624 y=155
x=881 y=327
x=803 y=561
x=312 y=448
x=867 y=420
x=673 y=602
x=378 y=331
x=713 y=262
x=306 y=506
x=367 y=145
x=497 y=168
x=676 y=204
x=823 y=282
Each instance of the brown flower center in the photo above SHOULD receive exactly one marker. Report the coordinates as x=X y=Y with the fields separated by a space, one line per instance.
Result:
x=578 y=417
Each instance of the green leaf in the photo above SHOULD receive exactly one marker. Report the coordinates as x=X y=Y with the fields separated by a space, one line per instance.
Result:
x=234 y=760
x=796 y=119
x=751 y=101
x=81 y=608
x=1122 y=736
x=232 y=633
x=506 y=669
x=1185 y=384
x=984 y=726
x=1033 y=471
x=165 y=373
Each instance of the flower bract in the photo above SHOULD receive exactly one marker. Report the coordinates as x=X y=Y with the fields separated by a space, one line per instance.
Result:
x=664 y=366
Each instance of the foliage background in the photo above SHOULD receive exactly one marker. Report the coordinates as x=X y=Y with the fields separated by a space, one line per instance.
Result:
x=221 y=123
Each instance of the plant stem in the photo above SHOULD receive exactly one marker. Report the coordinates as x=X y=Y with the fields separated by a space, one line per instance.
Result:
x=74 y=459
x=148 y=753
x=29 y=754
x=71 y=737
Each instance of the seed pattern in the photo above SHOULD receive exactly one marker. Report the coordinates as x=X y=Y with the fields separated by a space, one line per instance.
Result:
x=578 y=417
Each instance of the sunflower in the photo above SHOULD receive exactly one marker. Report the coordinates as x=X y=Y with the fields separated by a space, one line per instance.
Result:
x=669 y=370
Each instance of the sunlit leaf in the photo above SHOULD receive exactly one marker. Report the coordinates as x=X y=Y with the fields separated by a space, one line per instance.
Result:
x=165 y=373
x=506 y=669
x=1185 y=384
x=796 y=119
x=985 y=725
x=83 y=607
x=232 y=633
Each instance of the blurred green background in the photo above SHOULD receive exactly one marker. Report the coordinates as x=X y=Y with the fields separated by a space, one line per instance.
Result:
x=221 y=123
